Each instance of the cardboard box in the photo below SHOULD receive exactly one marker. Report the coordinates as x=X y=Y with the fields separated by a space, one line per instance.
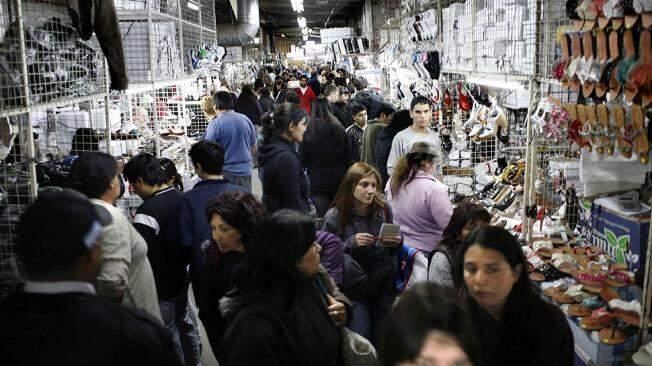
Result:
x=623 y=237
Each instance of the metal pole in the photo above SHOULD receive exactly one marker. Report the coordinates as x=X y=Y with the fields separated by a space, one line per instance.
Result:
x=28 y=135
x=107 y=109
x=150 y=26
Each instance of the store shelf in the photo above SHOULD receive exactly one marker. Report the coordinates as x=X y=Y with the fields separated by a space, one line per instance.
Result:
x=54 y=104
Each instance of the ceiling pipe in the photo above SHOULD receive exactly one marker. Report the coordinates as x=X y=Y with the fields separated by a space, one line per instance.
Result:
x=246 y=27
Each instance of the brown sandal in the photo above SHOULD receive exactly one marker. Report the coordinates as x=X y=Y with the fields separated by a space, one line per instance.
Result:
x=624 y=145
x=609 y=132
x=641 y=144
x=579 y=310
x=612 y=336
x=614 y=53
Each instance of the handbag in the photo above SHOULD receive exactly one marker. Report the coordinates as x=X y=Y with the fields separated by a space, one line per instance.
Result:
x=357 y=350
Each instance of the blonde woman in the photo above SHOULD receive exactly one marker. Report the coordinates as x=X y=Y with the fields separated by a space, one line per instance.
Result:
x=207 y=106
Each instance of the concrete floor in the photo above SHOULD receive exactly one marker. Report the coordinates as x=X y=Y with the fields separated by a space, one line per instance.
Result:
x=207 y=356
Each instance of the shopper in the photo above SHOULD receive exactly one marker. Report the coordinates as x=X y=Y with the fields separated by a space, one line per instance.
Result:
x=208 y=108
x=400 y=121
x=208 y=160
x=431 y=326
x=126 y=276
x=341 y=109
x=173 y=177
x=326 y=154
x=249 y=105
x=283 y=177
x=305 y=93
x=513 y=324
x=236 y=133
x=292 y=97
x=56 y=319
x=357 y=214
x=233 y=217
x=370 y=135
x=280 y=89
x=314 y=83
x=356 y=130
x=421 y=113
x=285 y=296
x=366 y=97
x=332 y=94
x=421 y=204
x=155 y=220
x=266 y=101
x=441 y=262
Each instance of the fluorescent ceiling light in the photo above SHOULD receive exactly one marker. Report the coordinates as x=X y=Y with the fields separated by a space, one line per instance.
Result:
x=297 y=5
x=283 y=35
x=302 y=22
x=497 y=83
x=193 y=5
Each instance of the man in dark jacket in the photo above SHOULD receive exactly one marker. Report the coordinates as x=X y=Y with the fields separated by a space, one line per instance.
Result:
x=341 y=108
x=208 y=160
x=155 y=221
x=374 y=127
x=367 y=98
x=313 y=82
x=266 y=101
x=56 y=319
x=400 y=121
x=356 y=130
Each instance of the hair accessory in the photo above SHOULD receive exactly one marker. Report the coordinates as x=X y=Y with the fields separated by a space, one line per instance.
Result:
x=92 y=235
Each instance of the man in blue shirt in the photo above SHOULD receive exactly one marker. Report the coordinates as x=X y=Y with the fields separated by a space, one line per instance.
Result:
x=235 y=132
x=194 y=229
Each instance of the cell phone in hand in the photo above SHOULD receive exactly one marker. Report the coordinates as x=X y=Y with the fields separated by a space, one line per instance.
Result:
x=389 y=230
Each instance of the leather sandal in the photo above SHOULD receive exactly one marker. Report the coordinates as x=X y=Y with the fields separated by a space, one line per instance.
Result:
x=614 y=52
x=641 y=144
x=623 y=143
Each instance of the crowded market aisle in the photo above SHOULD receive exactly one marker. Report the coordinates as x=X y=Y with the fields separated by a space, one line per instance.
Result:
x=367 y=183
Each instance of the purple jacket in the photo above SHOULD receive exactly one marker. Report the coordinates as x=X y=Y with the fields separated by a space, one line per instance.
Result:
x=423 y=209
x=332 y=255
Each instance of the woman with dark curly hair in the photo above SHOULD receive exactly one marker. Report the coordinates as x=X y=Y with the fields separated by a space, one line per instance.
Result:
x=233 y=217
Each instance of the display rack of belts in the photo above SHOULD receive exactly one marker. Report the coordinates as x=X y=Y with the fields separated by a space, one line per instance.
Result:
x=54 y=103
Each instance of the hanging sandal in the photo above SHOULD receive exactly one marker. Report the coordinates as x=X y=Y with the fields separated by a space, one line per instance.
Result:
x=641 y=144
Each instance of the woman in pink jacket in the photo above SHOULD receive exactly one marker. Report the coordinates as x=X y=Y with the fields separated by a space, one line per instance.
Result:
x=420 y=202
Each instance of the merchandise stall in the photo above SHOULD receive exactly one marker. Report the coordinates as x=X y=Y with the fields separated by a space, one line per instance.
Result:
x=60 y=95
x=545 y=120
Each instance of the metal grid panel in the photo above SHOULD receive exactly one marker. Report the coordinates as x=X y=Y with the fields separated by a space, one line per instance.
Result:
x=208 y=14
x=502 y=34
x=141 y=8
x=58 y=65
x=152 y=48
x=192 y=48
x=551 y=23
x=16 y=193
x=191 y=11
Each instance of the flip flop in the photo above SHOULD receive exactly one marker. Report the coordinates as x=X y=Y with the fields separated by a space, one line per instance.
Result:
x=613 y=336
x=578 y=310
